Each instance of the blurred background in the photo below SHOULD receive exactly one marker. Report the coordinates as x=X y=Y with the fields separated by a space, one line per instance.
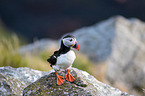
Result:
x=30 y=31
x=51 y=18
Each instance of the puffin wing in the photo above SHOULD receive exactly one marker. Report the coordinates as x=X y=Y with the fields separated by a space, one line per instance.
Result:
x=52 y=60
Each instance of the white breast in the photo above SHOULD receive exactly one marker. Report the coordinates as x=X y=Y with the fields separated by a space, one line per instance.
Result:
x=65 y=60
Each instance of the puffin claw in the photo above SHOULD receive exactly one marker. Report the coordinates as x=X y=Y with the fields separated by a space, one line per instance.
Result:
x=69 y=77
x=59 y=79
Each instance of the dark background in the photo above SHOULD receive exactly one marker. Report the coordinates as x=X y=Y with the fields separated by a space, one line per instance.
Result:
x=53 y=18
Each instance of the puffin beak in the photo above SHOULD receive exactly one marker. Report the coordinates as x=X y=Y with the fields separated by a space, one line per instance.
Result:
x=76 y=46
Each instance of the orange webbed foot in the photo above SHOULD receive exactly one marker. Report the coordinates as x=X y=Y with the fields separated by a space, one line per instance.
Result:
x=59 y=79
x=69 y=77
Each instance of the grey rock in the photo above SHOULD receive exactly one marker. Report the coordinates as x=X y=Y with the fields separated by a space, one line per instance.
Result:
x=39 y=46
x=14 y=80
x=96 y=41
x=10 y=86
x=120 y=43
x=84 y=85
x=27 y=75
x=127 y=63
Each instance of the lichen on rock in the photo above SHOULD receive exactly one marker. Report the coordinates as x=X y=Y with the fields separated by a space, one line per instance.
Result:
x=14 y=80
x=29 y=82
x=10 y=86
x=84 y=85
x=47 y=86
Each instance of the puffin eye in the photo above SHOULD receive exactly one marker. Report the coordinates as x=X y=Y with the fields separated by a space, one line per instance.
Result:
x=70 y=40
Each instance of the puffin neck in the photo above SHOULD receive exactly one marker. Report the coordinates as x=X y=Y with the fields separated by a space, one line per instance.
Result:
x=63 y=49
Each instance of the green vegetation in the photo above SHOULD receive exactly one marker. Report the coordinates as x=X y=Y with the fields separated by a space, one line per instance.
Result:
x=82 y=62
x=10 y=56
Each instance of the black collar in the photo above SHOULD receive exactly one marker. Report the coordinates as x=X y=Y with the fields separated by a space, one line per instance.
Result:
x=63 y=49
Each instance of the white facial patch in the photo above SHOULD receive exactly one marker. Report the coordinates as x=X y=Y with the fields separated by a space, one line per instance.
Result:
x=68 y=41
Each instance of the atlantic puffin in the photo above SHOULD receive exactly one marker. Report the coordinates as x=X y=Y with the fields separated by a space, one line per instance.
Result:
x=64 y=58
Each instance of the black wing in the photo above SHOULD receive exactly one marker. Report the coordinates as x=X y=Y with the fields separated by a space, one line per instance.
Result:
x=52 y=60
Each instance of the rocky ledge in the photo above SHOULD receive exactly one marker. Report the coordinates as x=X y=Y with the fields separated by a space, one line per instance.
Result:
x=14 y=80
x=29 y=82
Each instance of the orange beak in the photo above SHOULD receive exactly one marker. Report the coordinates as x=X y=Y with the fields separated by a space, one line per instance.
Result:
x=76 y=46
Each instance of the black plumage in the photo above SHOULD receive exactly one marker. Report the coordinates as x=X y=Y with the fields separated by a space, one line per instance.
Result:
x=53 y=59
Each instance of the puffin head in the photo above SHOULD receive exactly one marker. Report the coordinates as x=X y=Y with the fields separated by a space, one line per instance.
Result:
x=70 y=41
